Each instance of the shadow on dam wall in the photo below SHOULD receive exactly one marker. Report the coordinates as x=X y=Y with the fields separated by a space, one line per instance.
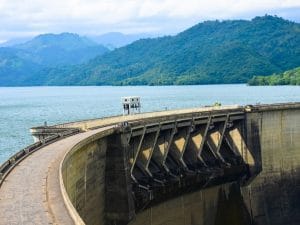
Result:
x=277 y=201
x=231 y=209
x=222 y=205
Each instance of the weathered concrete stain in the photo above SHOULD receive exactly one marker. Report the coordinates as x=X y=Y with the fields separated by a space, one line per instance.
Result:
x=273 y=197
x=84 y=179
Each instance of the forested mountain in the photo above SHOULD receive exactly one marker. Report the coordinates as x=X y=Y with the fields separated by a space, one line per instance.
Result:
x=208 y=53
x=290 y=77
x=14 y=70
x=61 y=49
x=25 y=62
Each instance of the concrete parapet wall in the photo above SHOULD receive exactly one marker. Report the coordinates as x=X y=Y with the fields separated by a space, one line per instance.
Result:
x=170 y=114
x=274 y=195
x=83 y=175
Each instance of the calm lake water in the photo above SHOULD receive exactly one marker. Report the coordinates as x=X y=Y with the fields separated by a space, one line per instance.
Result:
x=25 y=107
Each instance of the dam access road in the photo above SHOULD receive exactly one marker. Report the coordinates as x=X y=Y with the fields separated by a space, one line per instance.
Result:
x=208 y=166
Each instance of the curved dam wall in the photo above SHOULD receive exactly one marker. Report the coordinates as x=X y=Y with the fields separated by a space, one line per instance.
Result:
x=273 y=197
x=98 y=180
x=83 y=173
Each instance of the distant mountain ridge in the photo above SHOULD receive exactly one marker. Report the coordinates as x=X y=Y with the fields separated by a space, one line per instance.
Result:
x=116 y=39
x=211 y=52
x=14 y=41
x=66 y=41
x=208 y=53
x=59 y=49
x=20 y=61
x=22 y=58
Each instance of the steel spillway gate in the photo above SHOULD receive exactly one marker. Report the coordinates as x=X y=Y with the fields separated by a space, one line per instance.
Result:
x=169 y=158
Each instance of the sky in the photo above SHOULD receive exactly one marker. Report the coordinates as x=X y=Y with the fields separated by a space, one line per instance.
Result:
x=27 y=18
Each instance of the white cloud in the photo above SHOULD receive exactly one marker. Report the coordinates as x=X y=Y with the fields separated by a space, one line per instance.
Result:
x=25 y=17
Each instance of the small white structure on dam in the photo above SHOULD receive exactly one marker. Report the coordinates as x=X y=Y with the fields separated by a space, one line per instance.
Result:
x=131 y=105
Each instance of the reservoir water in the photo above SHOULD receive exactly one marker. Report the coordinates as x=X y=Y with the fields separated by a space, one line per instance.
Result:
x=25 y=107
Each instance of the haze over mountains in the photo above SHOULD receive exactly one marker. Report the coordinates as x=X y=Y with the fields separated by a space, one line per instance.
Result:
x=114 y=40
x=209 y=52
x=20 y=61
x=56 y=49
x=110 y=40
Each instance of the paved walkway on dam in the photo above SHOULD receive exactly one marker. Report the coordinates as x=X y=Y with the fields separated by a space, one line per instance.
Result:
x=88 y=124
x=31 y=193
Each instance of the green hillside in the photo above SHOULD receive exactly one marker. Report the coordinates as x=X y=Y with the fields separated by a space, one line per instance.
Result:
x=209 y=53
x=15 y=71
x=290 y=77
x=60 y=49
x=25 y=64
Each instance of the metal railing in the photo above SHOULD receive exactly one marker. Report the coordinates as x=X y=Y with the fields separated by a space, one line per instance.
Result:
x=14 y=160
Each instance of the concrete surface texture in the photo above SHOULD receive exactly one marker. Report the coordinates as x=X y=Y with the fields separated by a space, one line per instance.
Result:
x=273 y=197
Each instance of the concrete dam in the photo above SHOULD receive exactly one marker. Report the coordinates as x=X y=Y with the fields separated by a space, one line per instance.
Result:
x=223 y=165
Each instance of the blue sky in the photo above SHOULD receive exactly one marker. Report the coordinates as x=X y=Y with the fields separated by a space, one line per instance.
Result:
x=23 y=18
